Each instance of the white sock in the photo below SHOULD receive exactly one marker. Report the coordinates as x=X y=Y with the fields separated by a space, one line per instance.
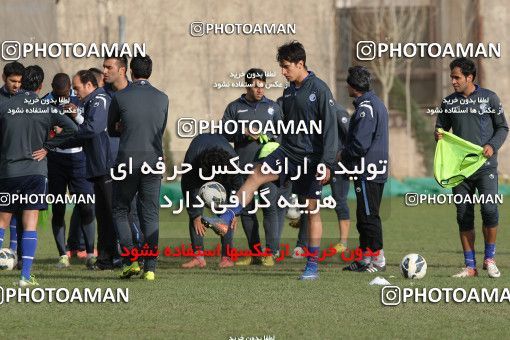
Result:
x=379 y=260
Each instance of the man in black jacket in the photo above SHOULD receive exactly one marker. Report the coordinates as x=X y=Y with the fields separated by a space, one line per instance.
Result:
x=138 y=115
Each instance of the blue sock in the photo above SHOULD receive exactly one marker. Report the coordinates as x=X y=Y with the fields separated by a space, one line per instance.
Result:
x=314 y=258
x=28 y=246
x=490 y=250
x=13 y=235
x=469 y=259
x=230 y=214
x=2 y=233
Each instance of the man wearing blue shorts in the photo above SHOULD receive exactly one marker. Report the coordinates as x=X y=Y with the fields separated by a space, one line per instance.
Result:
x=24 y=127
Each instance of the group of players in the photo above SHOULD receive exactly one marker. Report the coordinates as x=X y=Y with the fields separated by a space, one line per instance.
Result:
x=307 y=99
x=70 y=139
x=366 y=140
x=73 y=142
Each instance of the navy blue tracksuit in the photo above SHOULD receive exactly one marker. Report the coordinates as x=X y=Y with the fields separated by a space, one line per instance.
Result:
x=367 y=138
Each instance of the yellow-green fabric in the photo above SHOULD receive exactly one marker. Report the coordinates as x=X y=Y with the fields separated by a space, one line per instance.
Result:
x=456 y=159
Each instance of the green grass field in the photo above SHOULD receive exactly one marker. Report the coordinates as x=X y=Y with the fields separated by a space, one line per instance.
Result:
x=256 y=301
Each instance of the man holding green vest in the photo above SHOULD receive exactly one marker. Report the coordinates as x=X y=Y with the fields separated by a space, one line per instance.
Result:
x=475 y=114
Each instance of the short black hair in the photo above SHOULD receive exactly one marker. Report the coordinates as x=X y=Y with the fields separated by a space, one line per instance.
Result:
x=14 y=68
x=32 y=78
x=141 y=66
x=467 y=66
x=97 y=73
x=292 y=52
x=121 y=60
x=254 y=73
x=60 y=82
x=86 y=76
x=216 y=157
x=359 y=78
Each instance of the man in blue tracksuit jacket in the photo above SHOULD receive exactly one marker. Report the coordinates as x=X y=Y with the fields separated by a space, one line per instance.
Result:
x=254 y=106
x=93 y=137
x=66 y=169
x=367 y=139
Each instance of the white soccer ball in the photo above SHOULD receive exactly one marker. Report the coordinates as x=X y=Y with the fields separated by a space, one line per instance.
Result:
x=413 y=266
x=8 y=259
x=292 y=212
x=213 y=192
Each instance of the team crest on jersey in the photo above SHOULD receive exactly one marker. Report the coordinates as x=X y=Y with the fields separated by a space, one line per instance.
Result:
x=331 y=102
x=270 y=110
x=312 y=97
x=483 y=108
x=344 y=120
x=362 y=114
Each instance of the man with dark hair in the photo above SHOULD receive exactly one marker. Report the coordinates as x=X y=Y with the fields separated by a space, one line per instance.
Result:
x=115 y=79
x=25 y=124
x=13 y=72
x=99 y=76
x=293 y=53
x=93 y=137
x=207 y=150
x=140 y=128
x=141 y=67
x=115 y=74
x=251 y=106
x=367 y=143
x=306 y=99
x=66 y=169
x=476 y=115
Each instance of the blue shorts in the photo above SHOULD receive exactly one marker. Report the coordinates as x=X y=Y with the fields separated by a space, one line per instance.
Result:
x=306 y=185
x=23 y=193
